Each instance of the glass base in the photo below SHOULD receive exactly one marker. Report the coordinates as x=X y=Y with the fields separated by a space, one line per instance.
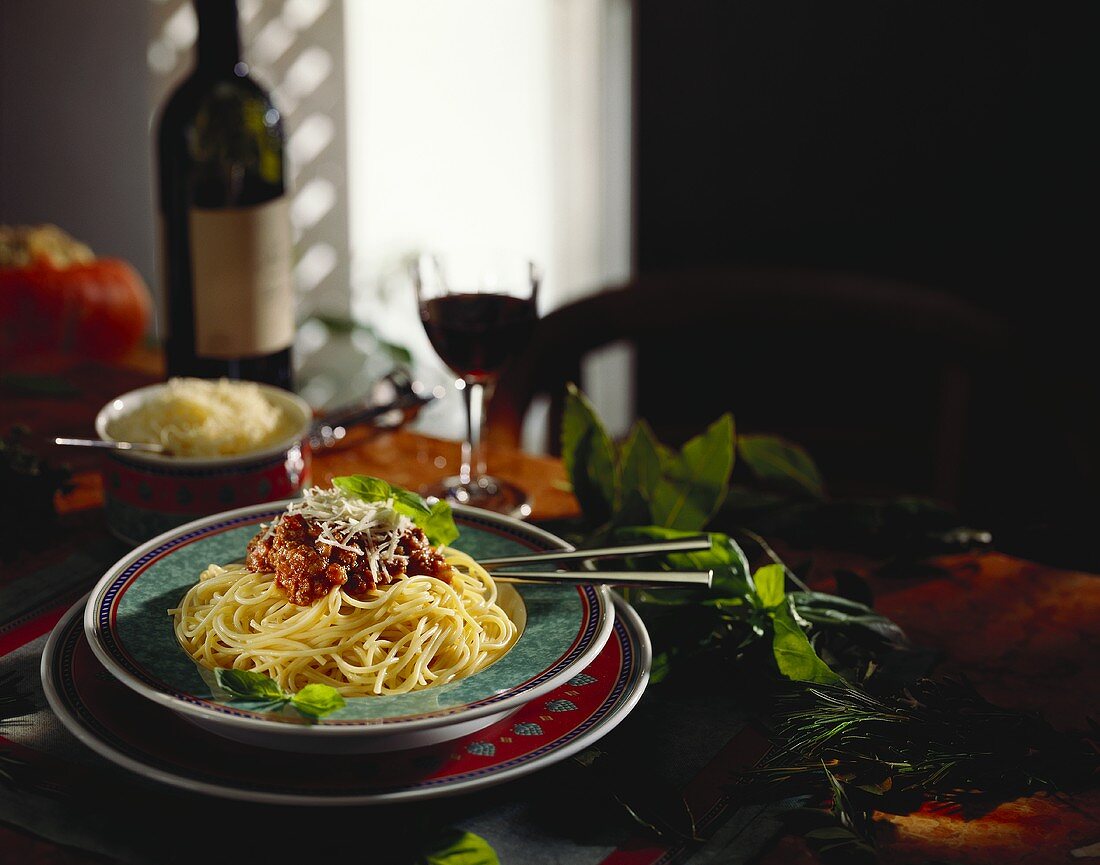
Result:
x=492 y=494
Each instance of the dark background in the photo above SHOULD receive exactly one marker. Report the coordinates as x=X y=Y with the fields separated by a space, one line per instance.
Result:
x=944 y=145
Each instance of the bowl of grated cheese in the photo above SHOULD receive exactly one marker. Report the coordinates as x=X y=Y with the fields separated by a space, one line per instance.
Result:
x=227 y=444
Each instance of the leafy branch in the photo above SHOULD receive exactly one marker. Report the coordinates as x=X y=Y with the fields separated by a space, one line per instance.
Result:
x=644 y=490
x=855 y=725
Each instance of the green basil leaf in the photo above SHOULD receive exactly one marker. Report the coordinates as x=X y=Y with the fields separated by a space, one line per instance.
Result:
x=589 y=458
x=317 y=700
x=458 y=848
x=830 y=611
x=694 y=482
x=731 y=565
x=365 y=487
x=269 y=705
x=641 y=461
x=439 y=525
x=249 y=685
x=634 y=510
x=661 y=666
x=436 y=520
x=409 y=503
x=675 y=506
x=769 y=582
x=794 y=656
x=708 y=457
x=782 y=463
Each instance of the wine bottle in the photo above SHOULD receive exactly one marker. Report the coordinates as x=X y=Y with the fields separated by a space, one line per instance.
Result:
x=225 y=222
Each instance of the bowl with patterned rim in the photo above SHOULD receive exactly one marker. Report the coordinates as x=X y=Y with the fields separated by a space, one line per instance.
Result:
x=128 y=627
x=148 y=493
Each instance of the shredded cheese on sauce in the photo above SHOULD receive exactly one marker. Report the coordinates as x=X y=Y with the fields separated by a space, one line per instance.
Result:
x=195 y=417
x=371 y=529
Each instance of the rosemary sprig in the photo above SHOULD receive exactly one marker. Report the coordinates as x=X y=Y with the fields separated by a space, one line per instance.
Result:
x=938 y=740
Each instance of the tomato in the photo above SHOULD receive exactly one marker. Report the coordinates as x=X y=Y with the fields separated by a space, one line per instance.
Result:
x=98 y=309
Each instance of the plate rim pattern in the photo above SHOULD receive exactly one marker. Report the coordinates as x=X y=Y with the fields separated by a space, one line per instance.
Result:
x=101 y=607
x=633 y=677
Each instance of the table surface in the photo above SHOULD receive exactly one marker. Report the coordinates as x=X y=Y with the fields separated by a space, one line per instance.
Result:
x=1024 y=633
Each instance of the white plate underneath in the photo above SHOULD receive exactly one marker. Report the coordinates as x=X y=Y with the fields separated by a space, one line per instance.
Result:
x=156 y=743
x=373 y=745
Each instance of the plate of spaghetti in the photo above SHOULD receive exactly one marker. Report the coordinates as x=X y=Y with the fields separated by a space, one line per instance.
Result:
x=354 y=618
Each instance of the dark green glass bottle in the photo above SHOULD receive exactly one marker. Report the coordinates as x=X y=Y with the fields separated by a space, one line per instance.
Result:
x=225 y=246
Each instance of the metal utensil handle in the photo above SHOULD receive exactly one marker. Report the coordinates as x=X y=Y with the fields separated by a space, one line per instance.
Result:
x=640 y=579
x=677 y=546
x=355 y=414
x=148 y=447
x=323 y=432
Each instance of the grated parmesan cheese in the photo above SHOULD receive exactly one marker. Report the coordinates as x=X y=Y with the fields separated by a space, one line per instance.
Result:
x=195 y=417
x=370 y=529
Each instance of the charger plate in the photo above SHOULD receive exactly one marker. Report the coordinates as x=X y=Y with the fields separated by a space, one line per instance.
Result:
x=159 y=744
x=130 y=631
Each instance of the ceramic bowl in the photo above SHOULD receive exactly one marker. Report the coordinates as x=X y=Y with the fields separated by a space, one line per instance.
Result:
x=129 y=629
x=147 y=494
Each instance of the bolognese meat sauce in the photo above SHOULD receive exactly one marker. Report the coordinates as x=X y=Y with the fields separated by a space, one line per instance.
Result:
x=306 y=568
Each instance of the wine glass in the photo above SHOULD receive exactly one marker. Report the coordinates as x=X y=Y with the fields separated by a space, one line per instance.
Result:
x=478 y=311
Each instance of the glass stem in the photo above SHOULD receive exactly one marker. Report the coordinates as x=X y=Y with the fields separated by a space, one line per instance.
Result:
x=473 y=465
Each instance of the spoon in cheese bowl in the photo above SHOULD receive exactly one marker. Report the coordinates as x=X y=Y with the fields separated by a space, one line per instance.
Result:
x=146 y=447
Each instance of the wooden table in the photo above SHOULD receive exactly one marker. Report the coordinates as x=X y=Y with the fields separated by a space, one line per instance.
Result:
x=1027 y=635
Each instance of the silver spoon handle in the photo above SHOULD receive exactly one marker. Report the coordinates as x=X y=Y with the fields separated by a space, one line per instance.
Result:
x=639 y=579
x=331 y=427
x=148 y=447
x=678 y=546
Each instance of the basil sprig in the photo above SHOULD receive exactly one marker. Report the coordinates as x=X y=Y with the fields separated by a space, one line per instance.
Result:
x=313 y=701
x=643 y=489
x=436 y=520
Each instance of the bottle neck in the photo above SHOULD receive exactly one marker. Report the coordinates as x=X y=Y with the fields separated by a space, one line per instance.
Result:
x=219 y=45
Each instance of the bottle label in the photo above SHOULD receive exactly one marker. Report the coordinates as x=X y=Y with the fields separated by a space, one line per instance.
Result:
x=240 y=270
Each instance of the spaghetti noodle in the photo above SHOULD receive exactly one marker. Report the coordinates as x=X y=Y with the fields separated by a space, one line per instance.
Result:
x=413 y=633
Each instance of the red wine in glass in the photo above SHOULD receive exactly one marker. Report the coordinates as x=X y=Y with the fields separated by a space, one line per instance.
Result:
x=477 y=334
x=478 y=311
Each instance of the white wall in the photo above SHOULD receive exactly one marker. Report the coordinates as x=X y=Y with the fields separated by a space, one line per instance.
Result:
x=489 y=124
x=481 y=122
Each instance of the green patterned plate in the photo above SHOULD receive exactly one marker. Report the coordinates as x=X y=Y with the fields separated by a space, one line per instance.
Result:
x=127 y=625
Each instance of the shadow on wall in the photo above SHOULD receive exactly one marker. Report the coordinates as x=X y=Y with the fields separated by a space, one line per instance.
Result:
x=74 y=123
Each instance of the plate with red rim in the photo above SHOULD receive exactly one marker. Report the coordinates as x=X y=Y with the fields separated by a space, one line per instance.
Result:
x=128 y=627
x=157 y=743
